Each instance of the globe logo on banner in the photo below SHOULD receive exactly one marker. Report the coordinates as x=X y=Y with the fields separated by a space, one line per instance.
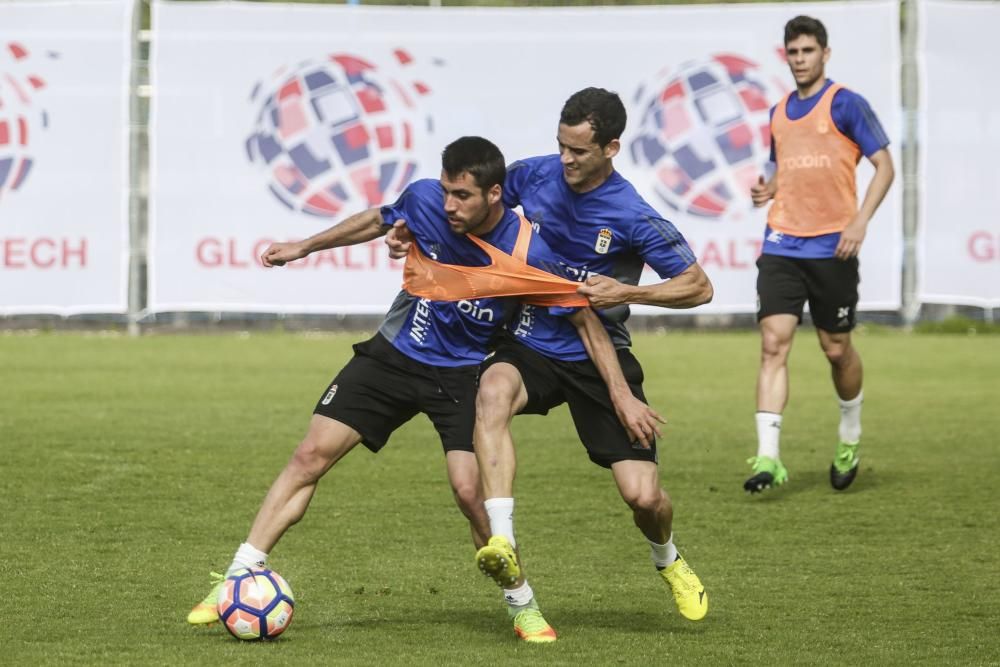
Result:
x=704 y=136
x=338 y=133
x=20 y=116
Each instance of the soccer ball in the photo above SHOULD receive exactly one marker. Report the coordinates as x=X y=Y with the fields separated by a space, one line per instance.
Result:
x=256 y=604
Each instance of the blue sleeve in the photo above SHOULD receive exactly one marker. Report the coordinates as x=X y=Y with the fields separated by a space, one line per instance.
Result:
x=662 y=246
x=396 y=210
x=854 y=117
x=518 y=174
x=419 y=206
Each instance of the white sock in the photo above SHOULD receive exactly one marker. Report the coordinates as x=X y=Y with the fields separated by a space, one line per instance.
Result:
x=768 y=434
x=663 y=554
x=850 y=419
x=501 y=513
x=247 y=556
x=518 y=597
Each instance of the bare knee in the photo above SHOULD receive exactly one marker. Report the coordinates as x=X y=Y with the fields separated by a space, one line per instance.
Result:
x=650 y=500
x=776 y=335
x=774 y=349
x=309 y=461
x=463 y=476
x=496 y=395
x=836 y=356
x=467 y=497
x=326 y=441
x=838 y=351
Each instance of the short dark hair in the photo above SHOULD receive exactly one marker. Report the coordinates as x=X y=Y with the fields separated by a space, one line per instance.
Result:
x=477 y=156
x=601 y=108
x=805 y=25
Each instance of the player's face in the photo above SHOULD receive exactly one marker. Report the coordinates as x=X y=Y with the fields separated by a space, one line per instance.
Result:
x=465 y=203
x=807 y=60
x=585 y=164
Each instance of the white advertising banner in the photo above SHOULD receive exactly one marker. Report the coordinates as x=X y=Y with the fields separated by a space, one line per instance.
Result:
x=275 y=121
x=959 y=236
x=64 y=75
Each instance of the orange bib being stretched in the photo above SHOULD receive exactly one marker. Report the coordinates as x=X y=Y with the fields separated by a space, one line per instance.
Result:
x=506 y=275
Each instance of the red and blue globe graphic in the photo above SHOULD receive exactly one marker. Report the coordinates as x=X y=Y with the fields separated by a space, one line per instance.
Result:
x=338 y=133
x=703 y=134
x=21 y=117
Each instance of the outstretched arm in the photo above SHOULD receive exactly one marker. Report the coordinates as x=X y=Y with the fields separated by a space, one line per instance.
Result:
x=854 y=234
x=687 y=289
x=640 y=420
x=358 y=228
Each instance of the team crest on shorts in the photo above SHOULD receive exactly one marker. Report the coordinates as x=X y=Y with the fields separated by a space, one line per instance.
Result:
x=603 y=241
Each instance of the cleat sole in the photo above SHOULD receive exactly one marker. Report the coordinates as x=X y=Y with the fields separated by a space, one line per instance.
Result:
x=842 y=480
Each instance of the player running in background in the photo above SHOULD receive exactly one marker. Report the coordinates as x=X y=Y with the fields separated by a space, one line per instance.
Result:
x=581 y=205
x=811 y=243
x=424 y=357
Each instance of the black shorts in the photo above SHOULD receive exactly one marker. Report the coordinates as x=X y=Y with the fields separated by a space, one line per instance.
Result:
x=550 y=382
x=380 y=389
x=784 y=284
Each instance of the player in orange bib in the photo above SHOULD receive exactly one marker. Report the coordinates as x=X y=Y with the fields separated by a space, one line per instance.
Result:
x=810 y=252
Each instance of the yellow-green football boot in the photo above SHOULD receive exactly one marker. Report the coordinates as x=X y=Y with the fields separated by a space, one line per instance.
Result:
x=767 y=472
x=689 y=594
x=845 y=465
x=498 y=561
x=530 y=626
x=207 y=611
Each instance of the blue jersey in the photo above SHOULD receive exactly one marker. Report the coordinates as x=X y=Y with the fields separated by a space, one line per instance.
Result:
x=449 y=333
x=855 y=119
x=609 y=231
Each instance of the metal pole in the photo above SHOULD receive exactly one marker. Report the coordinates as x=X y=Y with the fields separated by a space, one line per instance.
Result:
x=136 y=200
x=911 y=99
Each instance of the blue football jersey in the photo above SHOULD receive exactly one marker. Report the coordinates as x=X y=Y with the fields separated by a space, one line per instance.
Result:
x=449 y=333
x=855 y=119
x=609 y=231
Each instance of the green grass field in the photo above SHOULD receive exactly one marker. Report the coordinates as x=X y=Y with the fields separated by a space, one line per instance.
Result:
x=131 y=467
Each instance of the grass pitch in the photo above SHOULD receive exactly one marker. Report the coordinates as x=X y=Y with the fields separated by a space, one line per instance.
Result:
x=131 y=467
